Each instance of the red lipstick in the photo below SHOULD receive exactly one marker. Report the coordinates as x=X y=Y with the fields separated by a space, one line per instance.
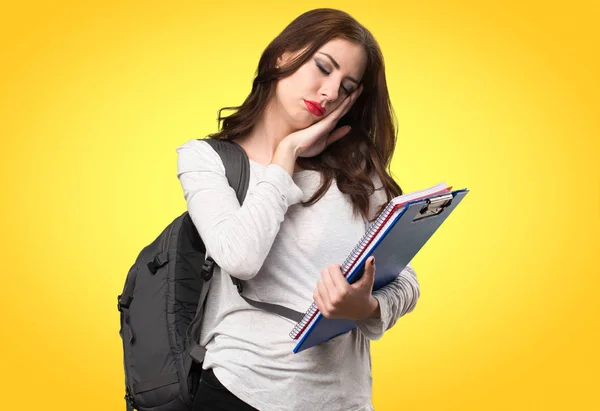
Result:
x=315 y=108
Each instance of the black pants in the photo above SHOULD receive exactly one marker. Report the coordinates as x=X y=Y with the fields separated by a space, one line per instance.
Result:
x=213 y=396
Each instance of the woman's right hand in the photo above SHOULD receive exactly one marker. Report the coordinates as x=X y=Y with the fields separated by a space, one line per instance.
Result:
x=312 y=140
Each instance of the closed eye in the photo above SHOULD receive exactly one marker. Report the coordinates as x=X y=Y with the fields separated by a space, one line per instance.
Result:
x=324 y=71
x=321 y=67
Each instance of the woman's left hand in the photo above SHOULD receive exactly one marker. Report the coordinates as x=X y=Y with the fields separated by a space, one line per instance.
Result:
x=336 y=298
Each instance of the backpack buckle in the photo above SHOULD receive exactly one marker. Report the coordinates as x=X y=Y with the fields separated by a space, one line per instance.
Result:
x=207 y=269
x=158 y=261
x=123 y=304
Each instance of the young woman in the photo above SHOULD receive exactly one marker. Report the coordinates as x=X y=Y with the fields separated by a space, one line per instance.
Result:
x=319 y=131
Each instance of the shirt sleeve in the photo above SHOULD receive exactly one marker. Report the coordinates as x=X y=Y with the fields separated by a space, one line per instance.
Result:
x=237 y=237
x=398 y=297
x=395 y=300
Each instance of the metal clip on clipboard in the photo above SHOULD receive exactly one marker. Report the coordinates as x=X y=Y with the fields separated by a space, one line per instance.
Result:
x=434 y=206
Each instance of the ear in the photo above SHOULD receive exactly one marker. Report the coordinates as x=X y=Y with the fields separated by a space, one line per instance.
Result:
x=288 y=56
x=284 y=58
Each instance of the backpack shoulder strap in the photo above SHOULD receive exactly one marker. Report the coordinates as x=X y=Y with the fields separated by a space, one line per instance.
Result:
x=237 y=165
x=237 y=171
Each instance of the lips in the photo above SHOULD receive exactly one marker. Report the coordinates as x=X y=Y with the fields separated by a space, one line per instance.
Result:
x=314 y=108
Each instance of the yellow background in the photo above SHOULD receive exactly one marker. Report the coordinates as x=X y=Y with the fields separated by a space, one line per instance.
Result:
x=499 y=97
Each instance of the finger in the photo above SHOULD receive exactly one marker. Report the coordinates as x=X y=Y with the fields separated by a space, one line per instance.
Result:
x=356 y=93
x=351 y=98
x=348 y=102
x=323 y=293
x=322 y=299
x=345 y=105
x=319 y=301
x=369 y=274
x=340 y=282
x=329 y=284
x=329 y=122
x=354 y=96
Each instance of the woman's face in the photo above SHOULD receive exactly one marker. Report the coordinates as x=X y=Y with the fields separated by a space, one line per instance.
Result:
x=320 y=84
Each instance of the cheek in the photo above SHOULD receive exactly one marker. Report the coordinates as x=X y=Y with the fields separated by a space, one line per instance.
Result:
x=336 y=104
x=290 y=92
x=304 y=82
x=333 y=106
x=289 y=98
x=283 y=91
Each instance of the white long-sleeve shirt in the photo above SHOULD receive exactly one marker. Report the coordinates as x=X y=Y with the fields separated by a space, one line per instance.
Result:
x=279 y=248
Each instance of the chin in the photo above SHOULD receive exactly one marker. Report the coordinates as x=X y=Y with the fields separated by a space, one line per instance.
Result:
x=301 y=120
x=307 y=118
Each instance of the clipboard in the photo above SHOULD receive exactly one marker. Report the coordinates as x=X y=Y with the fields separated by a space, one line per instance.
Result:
x=398 y=234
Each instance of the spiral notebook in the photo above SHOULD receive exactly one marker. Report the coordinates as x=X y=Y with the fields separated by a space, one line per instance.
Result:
x=396 y=236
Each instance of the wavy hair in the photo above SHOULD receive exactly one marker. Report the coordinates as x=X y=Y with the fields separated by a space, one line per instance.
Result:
x=368 y=148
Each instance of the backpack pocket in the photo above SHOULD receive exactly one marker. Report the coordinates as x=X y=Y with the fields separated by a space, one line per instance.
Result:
x=150 y=364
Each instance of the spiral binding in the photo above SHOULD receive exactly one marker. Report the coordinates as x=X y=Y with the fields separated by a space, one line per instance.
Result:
x=348 y=263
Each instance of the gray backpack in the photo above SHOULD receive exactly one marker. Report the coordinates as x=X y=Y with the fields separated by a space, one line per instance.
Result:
x=162 y=303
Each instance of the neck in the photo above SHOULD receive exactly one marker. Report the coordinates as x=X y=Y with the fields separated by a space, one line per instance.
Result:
x=270 y=129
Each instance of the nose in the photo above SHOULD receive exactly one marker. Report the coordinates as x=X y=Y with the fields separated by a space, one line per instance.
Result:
x=329 y=91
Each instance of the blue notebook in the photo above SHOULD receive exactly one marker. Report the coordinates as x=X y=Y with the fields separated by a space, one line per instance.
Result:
x=395 y=237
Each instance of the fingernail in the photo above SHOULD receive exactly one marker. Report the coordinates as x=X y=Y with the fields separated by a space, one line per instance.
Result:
x=373 y=261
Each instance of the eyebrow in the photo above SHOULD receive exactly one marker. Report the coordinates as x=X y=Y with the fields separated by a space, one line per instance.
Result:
x=337 y=66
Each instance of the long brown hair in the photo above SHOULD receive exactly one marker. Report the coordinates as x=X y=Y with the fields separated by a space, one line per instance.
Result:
x=369 y=146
